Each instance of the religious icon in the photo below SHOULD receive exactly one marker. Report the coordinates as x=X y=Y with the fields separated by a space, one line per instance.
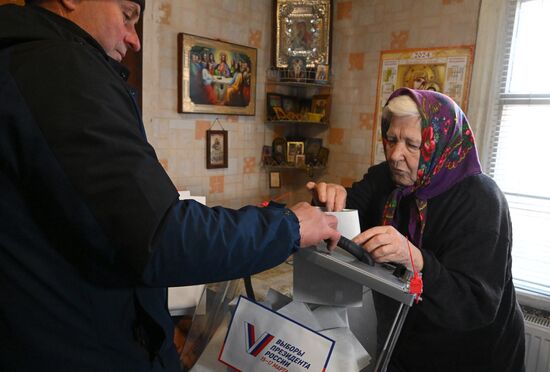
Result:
x=216 y=149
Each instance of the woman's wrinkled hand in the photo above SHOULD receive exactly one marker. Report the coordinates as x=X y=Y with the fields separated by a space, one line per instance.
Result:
x=330 y=195
x=386 y=244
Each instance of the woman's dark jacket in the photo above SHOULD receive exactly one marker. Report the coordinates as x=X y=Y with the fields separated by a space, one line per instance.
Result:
x=468 y=319
x=91 y=228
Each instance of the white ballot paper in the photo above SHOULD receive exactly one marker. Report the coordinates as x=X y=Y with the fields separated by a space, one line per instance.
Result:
x=260 y=339
x=348 y=222
x=301 y=313
x=348 y=355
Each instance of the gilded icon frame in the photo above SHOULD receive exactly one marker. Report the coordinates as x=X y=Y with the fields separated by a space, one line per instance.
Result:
x=302 y=29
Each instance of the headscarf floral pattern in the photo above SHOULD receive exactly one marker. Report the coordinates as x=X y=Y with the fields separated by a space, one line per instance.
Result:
x=447 y=155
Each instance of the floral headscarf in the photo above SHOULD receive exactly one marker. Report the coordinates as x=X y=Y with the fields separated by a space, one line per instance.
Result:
x=447 y=155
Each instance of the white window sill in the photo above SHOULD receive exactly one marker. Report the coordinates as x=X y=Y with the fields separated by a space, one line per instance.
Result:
x=533 y=300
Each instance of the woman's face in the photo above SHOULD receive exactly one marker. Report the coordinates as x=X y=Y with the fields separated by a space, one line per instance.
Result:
x=402 y=147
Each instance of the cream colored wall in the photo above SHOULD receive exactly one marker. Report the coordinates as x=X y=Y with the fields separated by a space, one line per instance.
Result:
x=179 y=138
x=361 y=29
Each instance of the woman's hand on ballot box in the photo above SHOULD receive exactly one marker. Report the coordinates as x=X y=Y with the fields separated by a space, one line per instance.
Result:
x=386 y=244
x=330 y=195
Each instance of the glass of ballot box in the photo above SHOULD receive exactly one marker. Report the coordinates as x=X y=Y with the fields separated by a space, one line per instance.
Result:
x=361 y=307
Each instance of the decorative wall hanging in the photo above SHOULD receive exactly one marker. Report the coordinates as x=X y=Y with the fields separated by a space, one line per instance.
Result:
x=215 y=77
x=320 y=104
x=279 y=150
x=313 y=145
x=323 y=156
x=274 y=180
x=446 y=70
x=300 y=161
x=321 y=74
x=303 y=29
x=267 y=158
x=216 y=147
x=294 y=148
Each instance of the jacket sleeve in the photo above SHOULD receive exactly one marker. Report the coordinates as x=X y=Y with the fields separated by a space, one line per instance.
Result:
x=196 y=244
x=92 y=127
x=467 y=260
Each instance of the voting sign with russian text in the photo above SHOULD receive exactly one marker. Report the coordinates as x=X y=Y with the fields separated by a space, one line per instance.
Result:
x=259 y=339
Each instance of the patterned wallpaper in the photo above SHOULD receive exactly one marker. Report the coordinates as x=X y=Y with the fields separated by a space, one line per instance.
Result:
x=361 y=29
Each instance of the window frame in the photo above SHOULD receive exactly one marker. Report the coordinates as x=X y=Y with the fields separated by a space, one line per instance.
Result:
x=496 y=24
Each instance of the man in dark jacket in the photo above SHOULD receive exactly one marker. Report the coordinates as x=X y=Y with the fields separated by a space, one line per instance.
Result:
x=91 y=228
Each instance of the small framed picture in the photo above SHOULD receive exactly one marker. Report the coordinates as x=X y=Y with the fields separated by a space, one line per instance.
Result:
x=313 y=145
x=300 y=160
x=274 y=180
x=297 y=68
x=216 y=149
x=267 y=159
x=294 y=148
x=290 y=104
x=323 y=156
x=280 y=114
x=273 y=100
x=320 y=104
x=279 y=150
x=321 y=74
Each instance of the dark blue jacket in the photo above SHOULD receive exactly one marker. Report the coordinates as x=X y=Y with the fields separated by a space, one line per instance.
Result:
x=91 y=228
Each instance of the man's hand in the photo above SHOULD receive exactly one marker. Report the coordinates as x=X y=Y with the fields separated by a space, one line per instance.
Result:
x=329 y=195
x=386 y=244
x=315 y=226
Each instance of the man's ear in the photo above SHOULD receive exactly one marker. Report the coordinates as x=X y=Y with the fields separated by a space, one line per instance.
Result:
x=69 y=5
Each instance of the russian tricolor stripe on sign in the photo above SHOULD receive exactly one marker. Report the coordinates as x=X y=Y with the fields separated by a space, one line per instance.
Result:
x=253 y=346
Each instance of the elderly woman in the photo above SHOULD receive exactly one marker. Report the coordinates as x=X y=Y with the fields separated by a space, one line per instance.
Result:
x=430 y=200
